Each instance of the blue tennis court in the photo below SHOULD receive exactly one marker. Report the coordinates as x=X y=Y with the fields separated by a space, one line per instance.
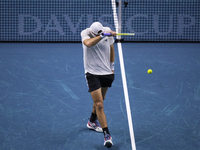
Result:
x=44 y=103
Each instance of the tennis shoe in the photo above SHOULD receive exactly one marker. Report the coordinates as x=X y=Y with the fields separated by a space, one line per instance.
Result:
x=108 y=140
x=94 y=126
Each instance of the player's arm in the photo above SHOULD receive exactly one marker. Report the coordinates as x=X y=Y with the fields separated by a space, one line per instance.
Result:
x=112 y=57
x=87 y=41
x=92 y=41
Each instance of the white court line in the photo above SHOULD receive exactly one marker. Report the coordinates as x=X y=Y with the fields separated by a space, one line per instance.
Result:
x=124 y=78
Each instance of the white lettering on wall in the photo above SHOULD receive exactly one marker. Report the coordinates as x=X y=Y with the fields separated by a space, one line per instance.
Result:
x=71 y=24
x=156 y=25
x=182 y=25
x=183 y=22
x=56 y=25
x=22 y=24
x=131 y=21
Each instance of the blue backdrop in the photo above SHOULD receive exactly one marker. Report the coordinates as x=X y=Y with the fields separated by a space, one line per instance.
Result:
x=63 y=20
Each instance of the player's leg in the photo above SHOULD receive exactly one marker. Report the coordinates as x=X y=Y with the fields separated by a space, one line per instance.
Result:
x=103 y=91
x=93 y=84
x=93 y=122
x=98 y=106
x=98 y=96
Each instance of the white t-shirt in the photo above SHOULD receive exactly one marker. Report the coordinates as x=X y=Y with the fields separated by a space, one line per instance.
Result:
x=97 y=58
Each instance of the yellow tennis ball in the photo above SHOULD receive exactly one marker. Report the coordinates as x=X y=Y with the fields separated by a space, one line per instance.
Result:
x=149 y=71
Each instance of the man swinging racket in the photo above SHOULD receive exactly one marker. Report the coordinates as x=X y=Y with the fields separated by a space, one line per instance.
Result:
x=99 y=55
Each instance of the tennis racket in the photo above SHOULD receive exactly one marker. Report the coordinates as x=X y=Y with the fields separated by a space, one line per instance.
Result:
x=108 y=34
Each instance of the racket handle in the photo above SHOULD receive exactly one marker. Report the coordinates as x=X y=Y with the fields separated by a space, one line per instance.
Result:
x=106 y=34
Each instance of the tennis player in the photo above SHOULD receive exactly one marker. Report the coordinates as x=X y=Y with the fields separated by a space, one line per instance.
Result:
x=98 y=51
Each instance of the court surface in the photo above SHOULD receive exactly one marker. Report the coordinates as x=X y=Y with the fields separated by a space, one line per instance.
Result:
x=44 y=103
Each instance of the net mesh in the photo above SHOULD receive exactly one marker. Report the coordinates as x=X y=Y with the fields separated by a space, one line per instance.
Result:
x=166 y=20
x=63 y=20
x=51 y=20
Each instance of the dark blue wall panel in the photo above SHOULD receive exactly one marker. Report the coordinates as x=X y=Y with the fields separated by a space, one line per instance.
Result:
x=63 y=20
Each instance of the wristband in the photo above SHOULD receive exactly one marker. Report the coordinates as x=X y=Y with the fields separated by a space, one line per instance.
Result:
x=112 y=66
x=102 y=36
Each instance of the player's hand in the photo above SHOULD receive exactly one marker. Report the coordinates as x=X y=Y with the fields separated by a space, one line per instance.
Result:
x=113 y=33
x=109 y=33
